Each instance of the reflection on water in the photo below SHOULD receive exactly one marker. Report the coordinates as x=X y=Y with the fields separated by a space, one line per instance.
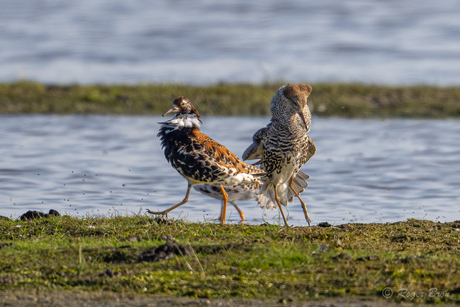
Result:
x=363 y=170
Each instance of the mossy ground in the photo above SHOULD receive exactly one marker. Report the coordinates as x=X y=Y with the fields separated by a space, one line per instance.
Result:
x=344 y=100
x=268 y=262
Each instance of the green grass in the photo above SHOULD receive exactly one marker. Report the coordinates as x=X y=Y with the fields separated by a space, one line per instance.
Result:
x=233 y=261
x=344 y=100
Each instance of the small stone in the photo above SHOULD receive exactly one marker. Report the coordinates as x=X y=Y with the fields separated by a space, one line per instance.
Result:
x=30 y=215
x=342 y=256
x=53 y=212
x=168 y=238
x=165 y=251
x=109 y=273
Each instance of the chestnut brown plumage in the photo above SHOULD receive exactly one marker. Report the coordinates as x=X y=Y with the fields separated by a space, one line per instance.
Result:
x=198 y=158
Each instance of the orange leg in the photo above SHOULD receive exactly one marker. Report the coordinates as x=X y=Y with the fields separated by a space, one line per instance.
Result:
x=165 y=212
x=237 y=209
x=221 y=211
x=280 y=206
x=304 y=207
x=224 y=209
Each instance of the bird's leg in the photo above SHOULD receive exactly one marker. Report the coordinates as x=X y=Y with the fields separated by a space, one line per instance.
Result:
x=224 y=209
x=221 y=210
x=239 y=211
x=165 y=212
x=279 y=205
x=304 y=207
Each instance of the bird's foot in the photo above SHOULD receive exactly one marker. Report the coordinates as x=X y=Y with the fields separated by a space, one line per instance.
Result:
x=163 y=213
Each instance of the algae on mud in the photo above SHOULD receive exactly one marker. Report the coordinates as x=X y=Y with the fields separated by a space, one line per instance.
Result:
x=344 y=100
x=268 y=262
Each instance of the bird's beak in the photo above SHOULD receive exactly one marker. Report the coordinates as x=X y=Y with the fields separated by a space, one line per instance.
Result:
x=302 y=117
x=174 y=109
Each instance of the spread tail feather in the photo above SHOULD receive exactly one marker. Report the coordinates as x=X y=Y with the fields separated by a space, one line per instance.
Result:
x=300 y=184
x=266 y=197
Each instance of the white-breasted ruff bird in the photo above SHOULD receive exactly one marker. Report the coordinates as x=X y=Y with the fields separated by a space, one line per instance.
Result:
x=198 y=158
x=283 y=146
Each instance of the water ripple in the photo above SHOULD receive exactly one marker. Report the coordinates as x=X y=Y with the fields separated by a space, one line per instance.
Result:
x=103 y=41
x=363 y=170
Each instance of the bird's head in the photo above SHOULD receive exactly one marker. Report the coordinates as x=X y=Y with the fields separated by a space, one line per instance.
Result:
x=183 y=106
x=295 y=95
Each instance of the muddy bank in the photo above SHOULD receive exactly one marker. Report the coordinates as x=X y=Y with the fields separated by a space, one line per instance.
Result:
x=327 y=99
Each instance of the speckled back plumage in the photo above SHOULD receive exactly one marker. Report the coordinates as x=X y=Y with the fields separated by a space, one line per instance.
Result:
x=283 y=146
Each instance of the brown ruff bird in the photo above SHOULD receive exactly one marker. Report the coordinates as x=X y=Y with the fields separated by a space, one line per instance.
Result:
x=283 y=146
x=198 y=158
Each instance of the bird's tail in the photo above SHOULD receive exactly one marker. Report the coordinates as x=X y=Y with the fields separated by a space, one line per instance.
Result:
x=266 y=197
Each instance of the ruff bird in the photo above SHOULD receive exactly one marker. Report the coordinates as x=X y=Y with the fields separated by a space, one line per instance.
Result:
x=283 y=147
x=198 y=158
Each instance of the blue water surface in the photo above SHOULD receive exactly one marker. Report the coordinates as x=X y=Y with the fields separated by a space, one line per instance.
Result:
x=363 y=171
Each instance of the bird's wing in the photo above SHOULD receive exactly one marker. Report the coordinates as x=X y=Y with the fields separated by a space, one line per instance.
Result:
x=311 y=149
x=224 y=157
x=255 y=150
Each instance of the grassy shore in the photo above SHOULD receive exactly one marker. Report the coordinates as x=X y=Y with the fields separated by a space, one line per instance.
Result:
x=207 y=260
x=344 y=100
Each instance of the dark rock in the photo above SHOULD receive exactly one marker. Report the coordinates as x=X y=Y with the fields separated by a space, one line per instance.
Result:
x=109 y=273
x=324 y=224
x=2 y=245
x=120 y=255
x=366 y=258
x=6 y=280
x=163 y=221
x=164 y=252
x=407 y=259
x=60 y=274
x=30 y=215
x=342 y=256
x=168 y=238
x=53 y=212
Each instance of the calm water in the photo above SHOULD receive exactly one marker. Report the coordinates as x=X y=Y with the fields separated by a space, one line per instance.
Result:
x=363 y=171
x=107 y=41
